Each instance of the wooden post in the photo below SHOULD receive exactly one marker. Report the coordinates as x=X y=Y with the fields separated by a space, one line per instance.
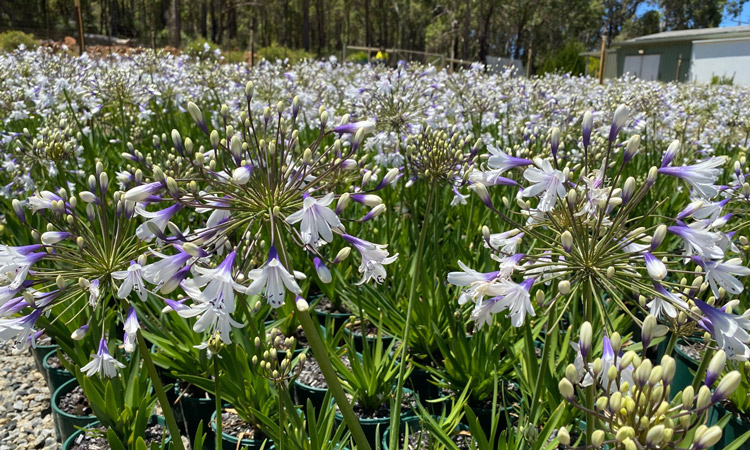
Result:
x=81 y=44
x=252 y=42
x=679 y=63
x=602 y=56
x=528 y=63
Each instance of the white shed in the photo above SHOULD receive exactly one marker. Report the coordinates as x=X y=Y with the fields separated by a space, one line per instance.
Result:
x=728 y=58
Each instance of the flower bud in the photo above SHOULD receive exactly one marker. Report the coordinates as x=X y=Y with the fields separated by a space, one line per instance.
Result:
x=79 y=333
x=652 y=173
x=564 y=287
x=342 y=255
x=566 y=389
x=659 y=235
x=618 y=121
x=563 y=436
x=597 y=439
x=631 y=148
x=567 y=241
x=704 y=397
x=671 y=152
x=726 y=386
x=554 y=140
x=323 y=273
x=715 y=367
x=647 y=334
x=585 y=339
x=708 y=438
x=571 y=373
x=628 y=189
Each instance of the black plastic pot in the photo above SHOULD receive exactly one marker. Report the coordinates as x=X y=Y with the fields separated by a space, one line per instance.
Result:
x=190 y=411
x=373 y=428
x=419 y=382
x=55 y=377
x=67 y=424
x=358 y=338
x=68 y=444
x=229 y=442
x=685 y=368
x=414 y=425
x=733 y=429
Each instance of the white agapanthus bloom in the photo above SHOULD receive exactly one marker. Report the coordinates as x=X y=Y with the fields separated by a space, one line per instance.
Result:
x=317 y=220
x=274 y=278
x=102 y=363
x=547 y=182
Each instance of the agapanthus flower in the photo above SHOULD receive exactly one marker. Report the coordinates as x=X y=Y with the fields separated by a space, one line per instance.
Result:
x=546 y=181
x=317 y=220
x=730 y=331
x=721 y=274
x=374 y=257
x=701 y=176
x=274 y=278
x=102 y=363
x=132 y=279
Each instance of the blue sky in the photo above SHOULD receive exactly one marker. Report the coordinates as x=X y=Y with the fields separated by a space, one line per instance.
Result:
x=727 y=22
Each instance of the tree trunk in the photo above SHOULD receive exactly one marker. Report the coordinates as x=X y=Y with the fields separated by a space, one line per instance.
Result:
x=175 y=25
x=321 y=13
x=306 y=25
x=467 y=20
x=204 y=19
x=367 y=23
x=484 y=45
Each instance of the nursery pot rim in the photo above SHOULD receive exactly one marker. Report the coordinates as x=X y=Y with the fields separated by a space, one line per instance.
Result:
x=71 y=439
x=56 y=399
x=405 y=414
x=234 y=439
x=385 y=444
x=48 y=368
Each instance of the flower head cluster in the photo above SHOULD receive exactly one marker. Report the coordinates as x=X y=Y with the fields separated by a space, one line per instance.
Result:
x=633 y=408
x=257 y=184
x=592 y=232
x=86 y=260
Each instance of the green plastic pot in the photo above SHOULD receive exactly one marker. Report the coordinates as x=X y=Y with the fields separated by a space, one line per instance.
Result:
x=67 y=424
x=229 y=442
x=733 y=429
x=39 y=352
x=55 y=377
x=304 y=392
x=484 y=416
x=68 y=444
x=419 y=382
x=414 y=425
x=370 y=340
x=376 y=427
x=685 y=368
x=190 y=411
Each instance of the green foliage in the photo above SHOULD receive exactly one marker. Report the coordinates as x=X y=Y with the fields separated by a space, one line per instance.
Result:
x=276 y=52
x=373 y=374
x=358 y=57
x=722 y=80
x=11 y=40
x=565 y=60
x=201 y=48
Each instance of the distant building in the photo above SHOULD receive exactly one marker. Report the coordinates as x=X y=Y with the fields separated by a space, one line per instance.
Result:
x=684 y=55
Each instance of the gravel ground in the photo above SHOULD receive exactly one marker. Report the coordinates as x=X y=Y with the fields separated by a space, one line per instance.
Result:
x=25 y=416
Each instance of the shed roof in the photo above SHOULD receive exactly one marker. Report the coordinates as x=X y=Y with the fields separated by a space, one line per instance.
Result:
x=687 y=35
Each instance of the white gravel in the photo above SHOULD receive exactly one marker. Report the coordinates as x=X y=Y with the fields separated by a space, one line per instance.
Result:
x=25 y=415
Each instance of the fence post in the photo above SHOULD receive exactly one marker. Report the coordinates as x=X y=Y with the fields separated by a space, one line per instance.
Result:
x=602 y=58
x=679 y=63
x=81 y=44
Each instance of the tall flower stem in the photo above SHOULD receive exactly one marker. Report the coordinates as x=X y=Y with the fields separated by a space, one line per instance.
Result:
x=166 y=408
x=415 y=277
x=589 y=298
x=217 y=398
x=551 y=328
x=700 y=374
x=321 y=356
x=670 y=344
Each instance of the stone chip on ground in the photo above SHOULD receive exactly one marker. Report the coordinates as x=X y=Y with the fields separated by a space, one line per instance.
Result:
x=25 y=415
